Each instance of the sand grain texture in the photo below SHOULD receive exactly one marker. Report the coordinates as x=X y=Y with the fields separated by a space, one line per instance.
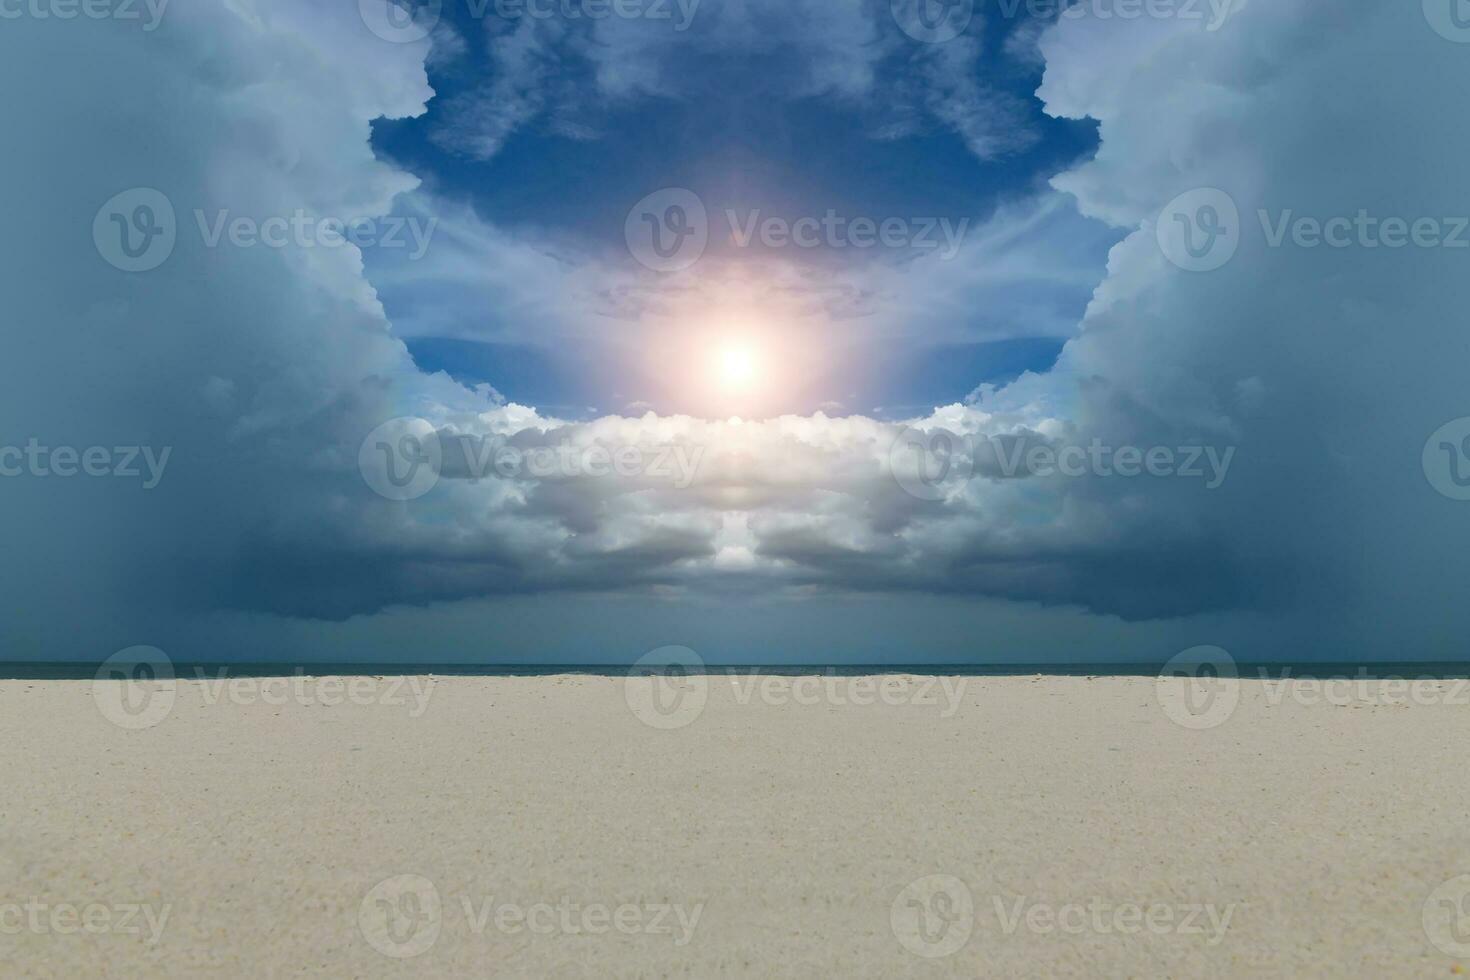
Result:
x=797 y=827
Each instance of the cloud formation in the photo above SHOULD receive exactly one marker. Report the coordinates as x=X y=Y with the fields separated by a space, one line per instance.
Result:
x=266 y=370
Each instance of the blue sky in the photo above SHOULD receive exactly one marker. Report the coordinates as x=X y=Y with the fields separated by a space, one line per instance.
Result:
x=375 y=451
x=747 y=127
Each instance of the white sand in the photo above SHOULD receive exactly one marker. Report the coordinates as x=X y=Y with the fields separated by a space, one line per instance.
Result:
x=791 y=830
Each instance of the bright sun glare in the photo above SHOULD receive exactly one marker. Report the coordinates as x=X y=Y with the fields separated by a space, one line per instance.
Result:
x=736 y=365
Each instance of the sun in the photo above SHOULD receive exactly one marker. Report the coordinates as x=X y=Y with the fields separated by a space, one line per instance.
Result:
x=736 y=366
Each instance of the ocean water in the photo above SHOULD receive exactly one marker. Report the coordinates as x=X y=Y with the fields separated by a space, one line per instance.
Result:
x=87 y=670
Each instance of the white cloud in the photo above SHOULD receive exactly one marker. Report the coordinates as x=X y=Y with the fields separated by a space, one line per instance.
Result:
x=265 y=370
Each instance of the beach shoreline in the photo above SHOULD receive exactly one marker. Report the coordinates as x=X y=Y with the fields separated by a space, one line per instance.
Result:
x=772 y=823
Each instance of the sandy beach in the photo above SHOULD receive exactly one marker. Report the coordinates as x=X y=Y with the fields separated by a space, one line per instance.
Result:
x=588 y=825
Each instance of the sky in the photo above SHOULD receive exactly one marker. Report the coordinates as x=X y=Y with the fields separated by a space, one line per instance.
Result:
x=548 y=129
x=808 y=331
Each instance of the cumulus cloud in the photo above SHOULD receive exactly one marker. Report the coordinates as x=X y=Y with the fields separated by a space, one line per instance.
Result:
x=266 y=370
x=1299 y=354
